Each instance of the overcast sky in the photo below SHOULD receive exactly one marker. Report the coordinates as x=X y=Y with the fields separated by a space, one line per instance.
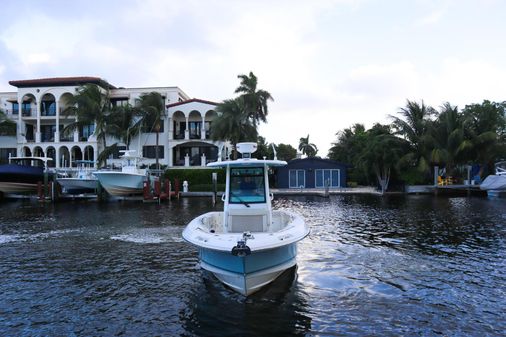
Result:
x=328 y=64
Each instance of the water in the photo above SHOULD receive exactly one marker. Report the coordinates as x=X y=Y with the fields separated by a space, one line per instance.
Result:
x=416 y=265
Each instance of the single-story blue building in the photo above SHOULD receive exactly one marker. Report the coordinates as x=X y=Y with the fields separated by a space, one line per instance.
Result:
x=311 y=173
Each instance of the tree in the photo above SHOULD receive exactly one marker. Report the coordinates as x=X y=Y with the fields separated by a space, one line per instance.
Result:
x=286 y=152
x=91 y=106
x=233 y=123
x=350 y=142
x=448 y=141
x=485 y=127
x=381 y=154
x=413 y=126
x=307 y=148
x=152 y=107
x=255 y=101
x=124 y=123
x=264 y=149
x=7 y=126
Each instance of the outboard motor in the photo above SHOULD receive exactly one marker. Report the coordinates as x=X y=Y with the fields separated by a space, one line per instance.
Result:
x=241 y=249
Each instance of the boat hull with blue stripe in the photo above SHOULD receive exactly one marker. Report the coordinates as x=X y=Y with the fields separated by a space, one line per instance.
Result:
x=248 y=245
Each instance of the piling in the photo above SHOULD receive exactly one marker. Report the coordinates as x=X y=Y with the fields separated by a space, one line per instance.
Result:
x=215 y=186
x=145 y=191
x=176 y=187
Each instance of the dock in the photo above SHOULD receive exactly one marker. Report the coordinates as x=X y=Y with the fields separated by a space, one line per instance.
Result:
x=452 y=189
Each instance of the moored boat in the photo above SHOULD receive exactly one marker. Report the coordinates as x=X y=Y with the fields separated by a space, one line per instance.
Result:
x=495 y=184
x=82 y=180
x=247 y=245
x=129 y=181
x=22 y=174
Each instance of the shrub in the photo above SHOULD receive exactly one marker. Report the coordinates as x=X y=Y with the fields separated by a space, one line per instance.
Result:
x=198 y=179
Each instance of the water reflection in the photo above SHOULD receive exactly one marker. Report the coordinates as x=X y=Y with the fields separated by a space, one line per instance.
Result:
x=278 y=310
x=396 y=265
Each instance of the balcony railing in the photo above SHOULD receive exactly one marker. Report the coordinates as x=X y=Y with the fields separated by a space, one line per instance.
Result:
x=195 y=135
x=29 y=112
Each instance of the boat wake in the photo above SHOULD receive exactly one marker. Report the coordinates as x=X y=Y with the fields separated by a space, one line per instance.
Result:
x=7 y=238
x=147 y=236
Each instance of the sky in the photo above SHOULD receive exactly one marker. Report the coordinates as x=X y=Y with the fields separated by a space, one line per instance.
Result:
x=327 y=63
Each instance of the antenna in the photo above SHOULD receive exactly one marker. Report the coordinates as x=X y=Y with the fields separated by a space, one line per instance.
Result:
x=274 y=150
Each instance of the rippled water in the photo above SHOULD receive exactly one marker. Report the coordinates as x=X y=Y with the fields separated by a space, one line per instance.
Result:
x=416 y=265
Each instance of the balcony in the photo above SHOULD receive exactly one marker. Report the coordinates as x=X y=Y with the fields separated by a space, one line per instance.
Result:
x=29 y=112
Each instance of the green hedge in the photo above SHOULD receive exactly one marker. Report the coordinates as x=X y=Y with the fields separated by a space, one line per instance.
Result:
x=199 y=180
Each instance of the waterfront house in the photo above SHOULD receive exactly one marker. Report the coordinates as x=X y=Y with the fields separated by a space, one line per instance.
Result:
x=38 y=105
x=311 y=173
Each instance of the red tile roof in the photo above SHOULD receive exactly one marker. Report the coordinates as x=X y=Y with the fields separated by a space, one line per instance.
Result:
x=61 y=81
x=196 y=100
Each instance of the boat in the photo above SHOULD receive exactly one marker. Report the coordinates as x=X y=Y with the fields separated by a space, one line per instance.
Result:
x=82 y=180
x=23 y=174
x=129 y=181
x=247 y=245
x=495 y=184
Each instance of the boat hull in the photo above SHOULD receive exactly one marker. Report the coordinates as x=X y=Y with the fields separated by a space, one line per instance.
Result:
x=20 y=178
x=496 y=193
x=250 y=273
x=77 y=185
x=121 y=183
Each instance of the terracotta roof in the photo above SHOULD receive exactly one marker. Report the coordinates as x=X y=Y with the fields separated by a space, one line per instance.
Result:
x=193 y=100
x=61 y=81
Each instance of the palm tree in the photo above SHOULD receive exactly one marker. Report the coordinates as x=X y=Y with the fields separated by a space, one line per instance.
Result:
x=91 y=106
x=449 y=143
x=255 y=100
x=124 y=123
x=233 y=124
x=414 y=125
x=307 y=148
x=152 y=106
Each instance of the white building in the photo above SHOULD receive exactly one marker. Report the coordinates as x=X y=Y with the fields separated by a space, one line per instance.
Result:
x=37 y=108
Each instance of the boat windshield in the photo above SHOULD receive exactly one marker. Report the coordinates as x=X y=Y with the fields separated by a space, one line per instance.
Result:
x=28 y=162
x=247 y=185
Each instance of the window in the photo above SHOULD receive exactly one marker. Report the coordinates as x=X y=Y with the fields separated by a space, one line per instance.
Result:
x=86 y=131
x=208 y=129
x=324 y=175
x=6 y=153
x=15 y=108
x=48 y=108
x=247 y=185
x=116 y=102
x=47 y=133
x=297 y=178
x=148 y=125
x=194 y=128
x=150 y=152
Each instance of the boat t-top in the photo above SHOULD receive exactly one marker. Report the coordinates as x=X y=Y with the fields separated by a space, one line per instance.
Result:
x=247 y=245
